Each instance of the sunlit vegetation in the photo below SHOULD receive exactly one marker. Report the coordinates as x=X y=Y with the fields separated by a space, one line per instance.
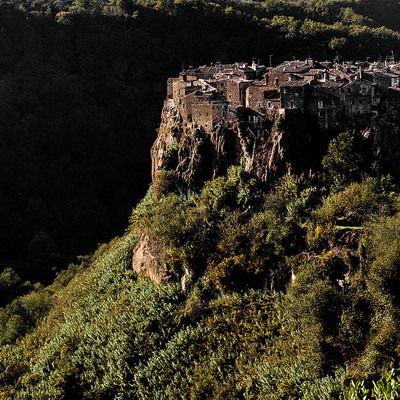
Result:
x=65 y=100
x=293 y=294
x=291 y=288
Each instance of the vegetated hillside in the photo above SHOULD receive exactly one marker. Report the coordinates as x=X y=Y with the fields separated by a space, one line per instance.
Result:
x=291 y=289
x=81 y=96
x=293 y=293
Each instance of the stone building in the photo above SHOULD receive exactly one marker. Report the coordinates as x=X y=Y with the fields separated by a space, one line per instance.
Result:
x=295 y=95
x=209 y=114
x=326 y=103
x=264 y=100
x=331 y=93
x=358 y=97
x=236 y=90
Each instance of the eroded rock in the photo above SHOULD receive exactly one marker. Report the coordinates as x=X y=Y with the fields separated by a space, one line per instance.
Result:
x=147 y=260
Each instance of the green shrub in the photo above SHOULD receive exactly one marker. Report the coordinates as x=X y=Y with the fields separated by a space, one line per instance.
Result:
x=341 y=161
x=387 y=387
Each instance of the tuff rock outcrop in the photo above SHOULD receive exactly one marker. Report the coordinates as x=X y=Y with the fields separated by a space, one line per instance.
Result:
x=266 y=150
x=146 y=260
x=196 y=155
x=201 y=155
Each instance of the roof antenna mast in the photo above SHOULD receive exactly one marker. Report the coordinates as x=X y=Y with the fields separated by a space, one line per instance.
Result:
x=270 y=60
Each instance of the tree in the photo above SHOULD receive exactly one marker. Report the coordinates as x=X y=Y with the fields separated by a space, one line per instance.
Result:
x=9 y=282
x=341 y=161
x=87 y=6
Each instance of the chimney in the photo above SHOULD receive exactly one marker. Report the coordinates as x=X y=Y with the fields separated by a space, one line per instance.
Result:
x=254 y=64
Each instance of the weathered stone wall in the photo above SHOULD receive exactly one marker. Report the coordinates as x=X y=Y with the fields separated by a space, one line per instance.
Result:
x=263 y=99
x=236 y=91
x=207 y=115
x=294 y=97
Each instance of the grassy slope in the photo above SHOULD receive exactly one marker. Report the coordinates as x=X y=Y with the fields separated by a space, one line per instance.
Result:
x=109 y=334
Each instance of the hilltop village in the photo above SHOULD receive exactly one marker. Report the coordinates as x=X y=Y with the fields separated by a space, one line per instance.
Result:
x=335 y=94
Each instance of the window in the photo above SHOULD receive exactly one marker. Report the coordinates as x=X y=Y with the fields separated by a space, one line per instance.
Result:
x=291 y=104
x=269 y=104
x=364 y=90
x=320 y=104
x=276 y=81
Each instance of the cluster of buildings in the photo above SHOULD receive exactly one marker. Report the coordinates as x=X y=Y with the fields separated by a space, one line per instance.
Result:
x=332 y=93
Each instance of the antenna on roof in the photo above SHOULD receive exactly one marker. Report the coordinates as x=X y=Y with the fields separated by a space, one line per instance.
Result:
x=391 y=58
x=270 y=60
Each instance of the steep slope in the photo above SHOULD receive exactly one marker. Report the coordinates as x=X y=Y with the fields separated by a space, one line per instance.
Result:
x=266 y=282
x=110 y=334
x=65 y=102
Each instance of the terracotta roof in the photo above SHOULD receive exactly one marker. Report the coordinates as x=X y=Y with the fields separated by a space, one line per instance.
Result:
x=314 y=71
x=295 y=84
x=330 y=84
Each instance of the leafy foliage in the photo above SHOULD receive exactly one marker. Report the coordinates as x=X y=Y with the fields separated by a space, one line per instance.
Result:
x=265 y=315
x=66 y=98
x=293 y=287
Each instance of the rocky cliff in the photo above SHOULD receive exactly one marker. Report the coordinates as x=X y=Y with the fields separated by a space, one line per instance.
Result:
x=197 y=155
x=265 y=149
x=385 y=145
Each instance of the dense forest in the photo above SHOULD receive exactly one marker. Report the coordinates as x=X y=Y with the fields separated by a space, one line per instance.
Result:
x=82 y=94
x=81 y=87
x=104 y=333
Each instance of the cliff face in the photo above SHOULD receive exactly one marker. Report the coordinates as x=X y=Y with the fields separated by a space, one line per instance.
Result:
x=385 y=146
x=265 y=149
x=197 y=155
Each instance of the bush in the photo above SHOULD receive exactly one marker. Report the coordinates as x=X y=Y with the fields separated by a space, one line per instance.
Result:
x=341 y=161
x=9 y=284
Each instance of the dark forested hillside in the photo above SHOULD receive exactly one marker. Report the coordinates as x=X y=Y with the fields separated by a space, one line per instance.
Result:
x=280 y=291
x=81 y=96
